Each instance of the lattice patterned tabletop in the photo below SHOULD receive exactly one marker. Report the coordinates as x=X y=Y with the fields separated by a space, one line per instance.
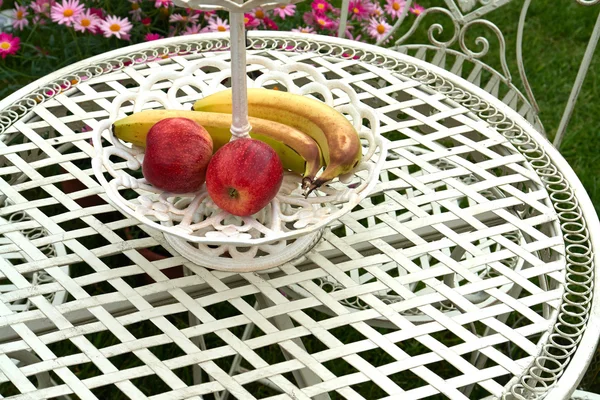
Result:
x=467 y=273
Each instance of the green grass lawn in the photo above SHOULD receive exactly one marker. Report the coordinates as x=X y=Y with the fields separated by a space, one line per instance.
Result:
x=556 y=36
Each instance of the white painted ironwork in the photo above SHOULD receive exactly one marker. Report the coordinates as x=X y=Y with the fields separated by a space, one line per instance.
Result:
x=581 y=395
x=17 y=257
x=468 y=185
x=240 y=128
x=454 y=54
x=12 y=214
x=236 y=6
x=290 y=217
x=289 y=225
x=14 y=255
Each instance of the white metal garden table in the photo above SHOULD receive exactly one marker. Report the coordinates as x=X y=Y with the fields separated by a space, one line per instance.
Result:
x=468 y=273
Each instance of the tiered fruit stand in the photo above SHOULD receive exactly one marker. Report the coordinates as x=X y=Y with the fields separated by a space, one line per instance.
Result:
x=292 y=222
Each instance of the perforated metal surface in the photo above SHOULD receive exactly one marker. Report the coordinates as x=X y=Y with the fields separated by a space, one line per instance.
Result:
x=467 y=273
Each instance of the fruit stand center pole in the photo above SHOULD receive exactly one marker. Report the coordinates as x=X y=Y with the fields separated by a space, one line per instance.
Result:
x=239 y=125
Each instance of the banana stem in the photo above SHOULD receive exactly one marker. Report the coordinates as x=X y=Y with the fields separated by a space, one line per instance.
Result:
x=240 y=127
x=309 y=189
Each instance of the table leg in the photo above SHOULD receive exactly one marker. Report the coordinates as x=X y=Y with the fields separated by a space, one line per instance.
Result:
x=198 y=340
x=43 y=378
x=235 y=365
x=304 y=377
x=480 y=359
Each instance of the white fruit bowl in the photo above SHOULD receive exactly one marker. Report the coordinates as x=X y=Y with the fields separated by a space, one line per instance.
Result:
x=192 y=222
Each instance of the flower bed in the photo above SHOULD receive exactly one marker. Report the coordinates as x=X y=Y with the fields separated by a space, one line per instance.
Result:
x=41 y=36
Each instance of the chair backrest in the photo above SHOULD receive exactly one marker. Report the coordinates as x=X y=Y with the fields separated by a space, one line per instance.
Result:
x=466 y=19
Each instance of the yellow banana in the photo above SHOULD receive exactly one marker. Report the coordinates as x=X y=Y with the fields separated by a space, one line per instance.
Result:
x=297 y=151
x=336 y=136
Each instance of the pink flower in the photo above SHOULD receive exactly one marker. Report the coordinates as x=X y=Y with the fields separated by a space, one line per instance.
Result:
x=323 y=22
x=258 y=13
x=377 y=28
x=395 y=7
x=87 y=21
x=370 y=7
x=285 y=11
x=306 y=29
x=356 y=38
x=66 y=12
x=358 y=10
x=42 y=7
x=37 y=20
x=320 y=7
x=115 y=26
x=136 y=11
x=376 y=10
x=270 y=24
x=184 y=19
x=9 y=44
x=217 y=25
x=20 y=17
x=146 y=21
x=309 y=18
x=98 y=12
x=152 y=36
x=417 y=9
x=176 y=18
x=208 y=14
x=192 y=29
x=163 y=3
x=250 y=22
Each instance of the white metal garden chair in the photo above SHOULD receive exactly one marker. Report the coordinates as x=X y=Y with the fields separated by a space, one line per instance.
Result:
x=456 y=55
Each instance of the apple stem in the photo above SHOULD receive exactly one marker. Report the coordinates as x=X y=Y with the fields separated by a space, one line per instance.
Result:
x=306 y=182
x=232 y=193
x=317 y=183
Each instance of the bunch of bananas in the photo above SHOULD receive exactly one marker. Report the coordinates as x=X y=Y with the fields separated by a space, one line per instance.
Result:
x=306 y=133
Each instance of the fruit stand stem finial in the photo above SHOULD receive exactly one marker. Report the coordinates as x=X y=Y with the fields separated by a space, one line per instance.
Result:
x=239 y=126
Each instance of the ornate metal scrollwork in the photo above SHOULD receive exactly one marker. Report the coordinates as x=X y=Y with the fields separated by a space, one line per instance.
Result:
x=464 y=16
x=484 y=43
x=467 y=5
x=459 y=37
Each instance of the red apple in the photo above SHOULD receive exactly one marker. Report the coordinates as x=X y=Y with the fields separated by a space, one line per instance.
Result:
x=177 y=153
x=244 y=176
